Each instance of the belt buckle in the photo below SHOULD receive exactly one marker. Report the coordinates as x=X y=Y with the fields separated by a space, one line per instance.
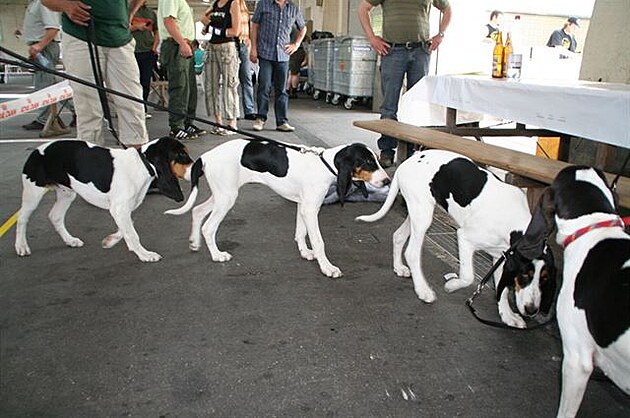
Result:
x=408 y=45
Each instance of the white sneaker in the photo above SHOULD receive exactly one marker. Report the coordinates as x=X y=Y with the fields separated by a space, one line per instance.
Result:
x=147 y=116
x=285 y=127
x=259 y=124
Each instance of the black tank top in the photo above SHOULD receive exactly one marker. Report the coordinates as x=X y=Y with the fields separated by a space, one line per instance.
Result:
x=220 y=17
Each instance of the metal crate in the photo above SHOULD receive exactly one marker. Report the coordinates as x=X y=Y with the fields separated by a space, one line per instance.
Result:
x=354 y=67
x=320 y=69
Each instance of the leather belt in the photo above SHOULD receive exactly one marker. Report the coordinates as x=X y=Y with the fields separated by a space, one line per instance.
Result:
x=407 y=45
x=174 y=41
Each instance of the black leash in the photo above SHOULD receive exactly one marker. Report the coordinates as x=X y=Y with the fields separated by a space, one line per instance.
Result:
x=482 y=283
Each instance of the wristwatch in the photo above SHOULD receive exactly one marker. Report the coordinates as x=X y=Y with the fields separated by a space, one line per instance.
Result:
x=441 y=34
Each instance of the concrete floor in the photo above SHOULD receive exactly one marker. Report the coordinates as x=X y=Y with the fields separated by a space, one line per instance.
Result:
x=91 y=332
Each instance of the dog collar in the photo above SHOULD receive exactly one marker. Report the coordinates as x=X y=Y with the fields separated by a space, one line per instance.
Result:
x=613 y=223
x=146 y=163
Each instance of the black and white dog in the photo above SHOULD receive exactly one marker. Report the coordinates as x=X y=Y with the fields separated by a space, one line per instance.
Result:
x=593 y=305
x=112 y=179
x=490 y=215
x=300 y=176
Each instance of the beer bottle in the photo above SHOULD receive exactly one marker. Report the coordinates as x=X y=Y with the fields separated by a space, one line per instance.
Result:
x=507 y=51
x=497 y=57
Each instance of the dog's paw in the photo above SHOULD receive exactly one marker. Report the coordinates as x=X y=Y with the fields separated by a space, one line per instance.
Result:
x=402 y=271
x=149 y=257
x=333 y=272
x=307 y=254
x=22 y=250
x=221 y=256
x=454 y=284
x=512 y=319
x=74 y=242
x=194 y=246
x=426 y=295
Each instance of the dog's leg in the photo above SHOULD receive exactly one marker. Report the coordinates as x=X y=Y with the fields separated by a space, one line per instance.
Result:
x=576 y=370
x=413 y=254
x=31 y=196
x=223 y=202
x=466 y=269
x=112 y=239
x=199 y=213
x=57 y=215
x=399 y=239
x=309 y=213
x=122 y=217
x=300 y=236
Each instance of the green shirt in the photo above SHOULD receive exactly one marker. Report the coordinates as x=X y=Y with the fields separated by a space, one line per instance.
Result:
x=182 y=12
x=407 y=20
x=144 y=38
x=111 y=23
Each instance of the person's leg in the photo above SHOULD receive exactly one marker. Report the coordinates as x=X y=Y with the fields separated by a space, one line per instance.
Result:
x=177 y=83
x=145 y=61
x=229 y=70
x=245 y=80
x=393 y=68
x=418 y=66
x=213 y=74
x=87 y=103
x=122 y=74
x=281 y=99
x=264 y=84
x=191 y=85
x=43 y=79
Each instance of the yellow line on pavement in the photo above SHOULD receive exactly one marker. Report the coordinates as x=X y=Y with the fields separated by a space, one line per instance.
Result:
x=8 y=224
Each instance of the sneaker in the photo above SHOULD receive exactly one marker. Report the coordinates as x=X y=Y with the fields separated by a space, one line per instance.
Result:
x=179 y=134
x=147 y=116
x=250 y=116
x=258 y=125
x=285 y=127
x=33 y=126
x=194 y=131
x=386 y=160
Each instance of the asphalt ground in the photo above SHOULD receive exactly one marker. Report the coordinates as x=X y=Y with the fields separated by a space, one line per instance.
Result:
x=89 y=332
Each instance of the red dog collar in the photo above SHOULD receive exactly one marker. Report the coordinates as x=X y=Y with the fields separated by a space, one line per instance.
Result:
x=604 y=224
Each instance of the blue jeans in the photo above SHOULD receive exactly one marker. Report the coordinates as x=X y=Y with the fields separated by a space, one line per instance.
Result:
x=398 y=62
x=245 y=78
x=276 y=72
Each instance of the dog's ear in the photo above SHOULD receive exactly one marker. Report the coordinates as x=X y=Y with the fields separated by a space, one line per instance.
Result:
x=532 y=244
x=548 y=288
x=508 y=277
x=161 y=154
x=344 y=181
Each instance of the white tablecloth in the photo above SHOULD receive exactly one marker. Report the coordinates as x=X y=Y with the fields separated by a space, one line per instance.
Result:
x=597 y=111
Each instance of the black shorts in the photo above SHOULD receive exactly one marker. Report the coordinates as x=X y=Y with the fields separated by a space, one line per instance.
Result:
x=296 y=60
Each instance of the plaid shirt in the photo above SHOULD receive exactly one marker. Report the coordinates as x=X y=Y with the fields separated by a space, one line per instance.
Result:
x=275 y=28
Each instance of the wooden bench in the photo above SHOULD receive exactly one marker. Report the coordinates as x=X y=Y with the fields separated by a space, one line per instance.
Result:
x=540 y=169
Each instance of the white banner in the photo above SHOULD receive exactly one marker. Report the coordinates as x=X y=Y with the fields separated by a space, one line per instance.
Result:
x=44 y=97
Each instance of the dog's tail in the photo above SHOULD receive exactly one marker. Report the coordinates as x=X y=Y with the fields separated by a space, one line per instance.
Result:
x=389 y=201
x=195 y=173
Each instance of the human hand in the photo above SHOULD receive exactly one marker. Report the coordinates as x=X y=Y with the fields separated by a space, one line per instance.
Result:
x=77 y=12
x=253 y=55
x=34 y=49
x=290 y=48
x=380 y=46
x=435 y=42
x=185 y=50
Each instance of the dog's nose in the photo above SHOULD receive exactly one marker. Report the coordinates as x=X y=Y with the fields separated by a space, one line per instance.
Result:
x=386 y=182
x=531 y=310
